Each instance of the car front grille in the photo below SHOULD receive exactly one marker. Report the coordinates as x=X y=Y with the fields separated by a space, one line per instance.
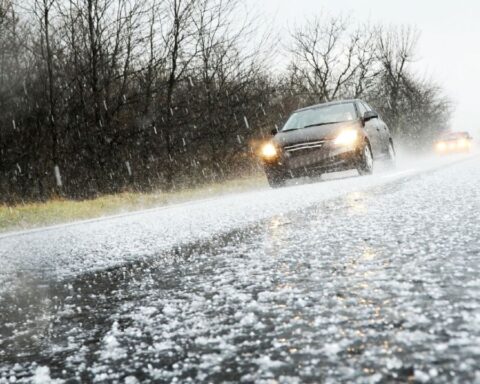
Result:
x=305 y=146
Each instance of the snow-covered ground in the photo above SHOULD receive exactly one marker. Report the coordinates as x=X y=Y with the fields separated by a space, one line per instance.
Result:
x=77 y=248
x=372 y=279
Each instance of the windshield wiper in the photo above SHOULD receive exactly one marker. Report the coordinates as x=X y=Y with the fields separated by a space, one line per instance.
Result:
x=291 y=129
x=312 y=125
x=320 y=124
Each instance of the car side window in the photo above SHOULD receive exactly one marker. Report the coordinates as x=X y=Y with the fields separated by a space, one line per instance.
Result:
x=361 y=109
x=368 y=108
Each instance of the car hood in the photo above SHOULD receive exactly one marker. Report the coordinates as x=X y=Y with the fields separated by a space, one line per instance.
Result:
x=306 y=135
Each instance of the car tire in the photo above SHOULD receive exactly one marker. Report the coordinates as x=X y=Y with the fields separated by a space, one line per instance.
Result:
x=276 y=179
x=365 y=162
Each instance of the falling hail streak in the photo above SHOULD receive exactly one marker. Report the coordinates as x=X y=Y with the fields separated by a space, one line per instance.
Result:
x=58 y=176
x=246 y=122
x=129 y=168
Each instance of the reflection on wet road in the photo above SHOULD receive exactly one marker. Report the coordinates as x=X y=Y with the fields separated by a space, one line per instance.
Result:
x=380 y=285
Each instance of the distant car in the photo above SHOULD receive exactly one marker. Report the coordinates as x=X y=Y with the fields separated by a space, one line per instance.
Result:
x=327 y=137
x=454 y=142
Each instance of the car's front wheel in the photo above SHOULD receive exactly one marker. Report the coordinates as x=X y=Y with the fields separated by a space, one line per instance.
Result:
x=365 y=163
x=276 y=178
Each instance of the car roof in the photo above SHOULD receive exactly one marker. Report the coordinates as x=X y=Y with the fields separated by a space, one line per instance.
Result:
x=453 y=135
x=329 y=103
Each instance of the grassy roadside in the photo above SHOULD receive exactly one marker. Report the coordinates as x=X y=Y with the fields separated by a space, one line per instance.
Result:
x=34 y=215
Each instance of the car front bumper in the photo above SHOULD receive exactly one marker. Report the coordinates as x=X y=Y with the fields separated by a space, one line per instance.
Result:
x=315 y=161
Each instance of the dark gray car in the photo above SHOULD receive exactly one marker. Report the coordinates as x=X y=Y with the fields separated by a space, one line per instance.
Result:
x=327 y=137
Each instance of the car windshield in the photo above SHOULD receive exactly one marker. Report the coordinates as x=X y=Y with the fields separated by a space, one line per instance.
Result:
x=336 y=113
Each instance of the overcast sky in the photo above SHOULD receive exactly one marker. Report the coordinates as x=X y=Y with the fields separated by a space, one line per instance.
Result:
x=448 y=51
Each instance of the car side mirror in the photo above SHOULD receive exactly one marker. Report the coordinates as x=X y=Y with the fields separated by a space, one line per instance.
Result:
x=369 y=115
x=274 y=131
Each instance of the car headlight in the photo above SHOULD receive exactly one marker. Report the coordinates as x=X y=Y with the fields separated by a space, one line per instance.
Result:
x=347 y=137
x=441 y=146
x=269 y=151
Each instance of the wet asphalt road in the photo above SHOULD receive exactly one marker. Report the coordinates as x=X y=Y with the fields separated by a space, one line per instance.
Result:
x=381 y=284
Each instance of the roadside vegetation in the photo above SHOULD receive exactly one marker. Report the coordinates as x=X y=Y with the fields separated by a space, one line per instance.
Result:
x=102 y=96
x=58 y=211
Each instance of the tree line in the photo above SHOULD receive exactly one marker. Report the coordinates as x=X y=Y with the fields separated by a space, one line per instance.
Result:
x=102 y=96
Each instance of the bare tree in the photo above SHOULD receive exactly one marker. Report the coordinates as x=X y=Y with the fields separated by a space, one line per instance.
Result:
x=177 y=54
x=43 y=12
x=109 y=95
x=395 y=50
x=331 y=60
x=5 y=5
x=217 y=64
